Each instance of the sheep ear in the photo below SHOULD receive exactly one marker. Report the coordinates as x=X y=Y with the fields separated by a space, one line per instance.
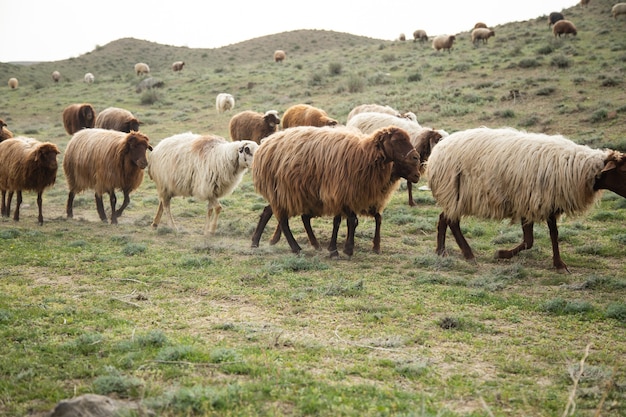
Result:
x=150 y=148
x=609 y=166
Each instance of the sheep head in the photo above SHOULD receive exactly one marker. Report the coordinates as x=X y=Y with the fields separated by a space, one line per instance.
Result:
x=396 y=147
x=613 y=175
x=136 y=147
x=271 y=119
x=246 y=152
x=46 y=155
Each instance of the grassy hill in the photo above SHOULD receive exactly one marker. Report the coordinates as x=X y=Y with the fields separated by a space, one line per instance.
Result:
x=189 y=325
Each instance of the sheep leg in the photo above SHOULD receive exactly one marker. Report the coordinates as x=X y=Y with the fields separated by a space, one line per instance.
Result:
x=455 y=228
x=306 y=222
x=157 y=216
x=378 y=219
x=265 y=217
x=168 y=211
x=556 y=255
x=283 y=221
x=3 y=207
x=113 y=202
x=211 y=221
x=39 y=202
x=6 y=208
x=276 y=236
x=125 y=203
x=332 y=246
x=409 y=188
x=442 y=228
x=527 y=243
x=352 y=221
x=69 y=207
x=18 y=203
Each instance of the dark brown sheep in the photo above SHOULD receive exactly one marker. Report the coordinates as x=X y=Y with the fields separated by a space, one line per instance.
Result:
x=564 y=27
x=306 y=115
x=479 y=25
x=555 y=17
x=251 y=125
x=78 y=116
x=26 y=165
x=325 y=171
x=115 y=118
x=105 y=160
x=4 y=132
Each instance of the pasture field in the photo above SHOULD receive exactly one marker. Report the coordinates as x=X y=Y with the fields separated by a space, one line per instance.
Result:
x=194 y=326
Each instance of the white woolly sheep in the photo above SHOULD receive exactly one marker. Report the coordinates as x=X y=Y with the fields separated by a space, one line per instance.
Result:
x=13 y=83
x=178 y=66
x=105 y=160
x=89 y=78
x=325 y=171
x=279 y=55
x=251 y=125
x=377 y=108
x=306 y=115
x=142 y=68
x=563 y=27
x=526 y=177
x=115 y=118
x=420 y=35
x=443 y=42
x=207 y=167
x=618 y=9
x=423 y=139
x=26 y=165
x=56 y=76
x=482 y=34
x=224 y=102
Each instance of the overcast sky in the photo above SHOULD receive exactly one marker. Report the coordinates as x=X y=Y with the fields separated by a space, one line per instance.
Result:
x=51 y=30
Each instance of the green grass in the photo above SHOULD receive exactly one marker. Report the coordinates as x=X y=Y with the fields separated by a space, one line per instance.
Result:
x=193 y=326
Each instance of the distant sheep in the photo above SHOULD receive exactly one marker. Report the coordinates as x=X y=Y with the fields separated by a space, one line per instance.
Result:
x=105 y=160
x=306 y=115
x=423 y=139
x=178 y=66
x=115 y=118
x=142 y=68
x=279 y=55
x=206 y=167
x=13 y=83
x=78 y=116
x=56 y=76
x=480 y=25
x=482 y=34
x=89 y=78
x=224 y=102
x=563 y=27
x=254 y=126
x=443 y=42
x=26 y=165
x=313 y=172
x=420 y=35
x=618 y=9
x=555 y=17
x=4 y=132
x=526 y=177
x=377 y=108
x=584 y=3
x=402 y=37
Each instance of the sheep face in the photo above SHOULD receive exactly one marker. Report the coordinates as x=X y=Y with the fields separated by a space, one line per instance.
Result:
x=47 y=156
x=246 y=152
x=613 y=176
x=136 y=147
x=396 y=147
x=272 y=120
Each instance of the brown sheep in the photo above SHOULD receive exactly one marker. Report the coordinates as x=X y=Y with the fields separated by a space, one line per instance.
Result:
x=78 y=116
x=56 y=76
x=479 y=25
x=443 y=42
x=563 y=27
x=555 y=17
x=251 y=125
x=584 y=3
x=4 y=132
x=315 y=172
x=115 y=118
x=420 y=35
x=482 y=34
x=402 y=37
x=26 y=165
x=105 y=160
x=13 y=83
x=279 y=55
x=178 y=66
x=306 y=115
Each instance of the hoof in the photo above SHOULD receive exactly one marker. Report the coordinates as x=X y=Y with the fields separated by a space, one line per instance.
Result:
x=503 y=254
x=334 y=255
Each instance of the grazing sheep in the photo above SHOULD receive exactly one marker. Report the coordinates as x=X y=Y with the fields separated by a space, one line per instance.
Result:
x=402 y=37
x=377 y=108
x=479 y=25
x=420 y=35
x=78 y=116
x=89 y=78
x=555 y=17
x=423 y=139
x=142 y=68
x=443 y=42
x=115 y=118
x=178 y=66
x=526 y=177
x=563 y=27
x=148 y=84
x=13 y=83
x=4 y=132
x=313 y=172
x=224 y=102
x=482 y=34
x=203 y=166
x=306 y=115
x=56 y=76
x=105 y=160
x=251 y=125
x=584 y=3
x=618 y=9
x=26 y=165
x=279 y=55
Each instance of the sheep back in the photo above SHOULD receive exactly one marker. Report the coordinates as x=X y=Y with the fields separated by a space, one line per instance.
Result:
x=555 y=17
x=509 y=174
x=251 y=125
x=115 y=118
x=78 y=116
x=306 y=115
x=142 y=68
x=89 y=78
x=56 y=76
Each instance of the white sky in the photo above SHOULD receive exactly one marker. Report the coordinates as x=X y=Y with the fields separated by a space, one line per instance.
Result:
x=51 y=30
